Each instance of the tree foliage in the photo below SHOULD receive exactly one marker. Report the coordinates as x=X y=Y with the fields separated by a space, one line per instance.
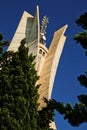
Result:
x=19 y=93
x=2 y=44
x=18 y=98
x=82 y=21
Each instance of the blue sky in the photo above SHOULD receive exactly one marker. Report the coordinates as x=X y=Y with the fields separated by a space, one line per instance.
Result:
x=73 y=60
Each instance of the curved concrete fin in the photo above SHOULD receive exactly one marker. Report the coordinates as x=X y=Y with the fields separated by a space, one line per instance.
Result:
x=21 y=31
x=55 y=52
x=51 y=62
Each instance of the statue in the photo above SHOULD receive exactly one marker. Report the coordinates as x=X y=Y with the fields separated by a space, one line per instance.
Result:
x=43 y=29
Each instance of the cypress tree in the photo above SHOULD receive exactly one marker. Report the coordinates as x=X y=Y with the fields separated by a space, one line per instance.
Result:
x=18 y=91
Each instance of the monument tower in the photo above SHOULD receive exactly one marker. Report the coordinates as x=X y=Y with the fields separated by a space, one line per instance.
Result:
x=47 y=59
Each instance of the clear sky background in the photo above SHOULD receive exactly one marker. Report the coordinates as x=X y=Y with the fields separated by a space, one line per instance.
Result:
x=73 y=61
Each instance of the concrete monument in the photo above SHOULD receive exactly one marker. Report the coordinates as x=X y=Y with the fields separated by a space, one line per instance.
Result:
x=47 y=59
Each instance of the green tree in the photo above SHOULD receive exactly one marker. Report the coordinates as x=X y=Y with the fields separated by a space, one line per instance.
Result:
x=46 y=115
x=19 y=93
x=2 y=44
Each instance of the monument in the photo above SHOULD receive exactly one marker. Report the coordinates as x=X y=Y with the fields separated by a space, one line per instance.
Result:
x=47 y=59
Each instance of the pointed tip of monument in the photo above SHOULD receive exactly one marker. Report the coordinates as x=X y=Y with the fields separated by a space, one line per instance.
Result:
x=62 y=29
x=25 y=13
x=37 y=6
x=65 y=26
x=37 y=9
